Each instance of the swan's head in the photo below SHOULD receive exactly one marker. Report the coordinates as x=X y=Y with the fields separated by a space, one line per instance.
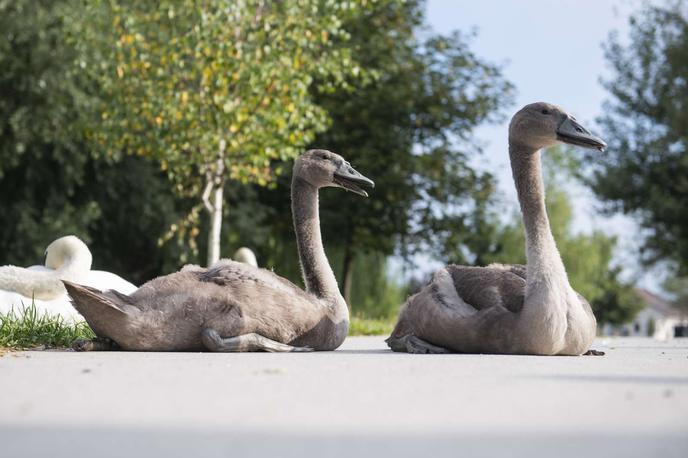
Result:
x=246 y=256
x=323 y=168
x=69 y=250
x=541 y=124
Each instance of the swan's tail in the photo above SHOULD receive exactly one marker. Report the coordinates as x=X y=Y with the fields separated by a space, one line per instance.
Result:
x=106 y=312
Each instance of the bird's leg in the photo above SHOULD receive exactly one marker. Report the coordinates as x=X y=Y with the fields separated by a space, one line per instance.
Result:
x=96 y=344
x=397 y=343
x=417 y=345
x=246 y=342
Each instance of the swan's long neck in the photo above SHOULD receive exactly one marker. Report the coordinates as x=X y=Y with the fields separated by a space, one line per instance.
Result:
x=544 y=261
x=68 y=259
x=317 y=273
x=542 y=322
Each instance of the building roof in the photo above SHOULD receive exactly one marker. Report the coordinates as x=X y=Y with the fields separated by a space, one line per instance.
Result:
x=657 y=303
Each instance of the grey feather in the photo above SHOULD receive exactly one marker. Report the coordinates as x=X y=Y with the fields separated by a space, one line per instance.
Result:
x=244 y=308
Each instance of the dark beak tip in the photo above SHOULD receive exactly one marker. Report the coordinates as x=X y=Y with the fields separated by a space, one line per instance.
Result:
x=601 y=145
x=569 y=131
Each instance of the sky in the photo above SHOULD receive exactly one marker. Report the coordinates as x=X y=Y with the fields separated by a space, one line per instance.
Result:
x=551 y=50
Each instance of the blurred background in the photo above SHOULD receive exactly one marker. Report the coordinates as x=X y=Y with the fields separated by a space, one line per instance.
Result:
x=117 y=117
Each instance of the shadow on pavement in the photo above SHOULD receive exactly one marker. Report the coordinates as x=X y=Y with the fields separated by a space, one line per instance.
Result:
x=65 y=441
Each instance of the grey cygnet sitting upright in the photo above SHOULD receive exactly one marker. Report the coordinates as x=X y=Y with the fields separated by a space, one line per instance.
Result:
x=231 y=306
x=528 y=309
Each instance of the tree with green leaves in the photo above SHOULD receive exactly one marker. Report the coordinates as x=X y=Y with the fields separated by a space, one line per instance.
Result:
x=214 y=91
x=587 y=257
x=41 y=155
x=678 y=287
x=646 y=123
x=410 y=129
x=50 y=183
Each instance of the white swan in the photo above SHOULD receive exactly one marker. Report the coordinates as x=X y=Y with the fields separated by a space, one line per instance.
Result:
x=67 y=258
x=246 y=256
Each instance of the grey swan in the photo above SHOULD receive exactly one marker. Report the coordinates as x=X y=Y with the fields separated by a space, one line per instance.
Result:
x=232 y=306
x=509 y=309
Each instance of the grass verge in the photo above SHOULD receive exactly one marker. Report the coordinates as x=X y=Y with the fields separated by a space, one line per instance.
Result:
x=370 y=327
x=25 y=328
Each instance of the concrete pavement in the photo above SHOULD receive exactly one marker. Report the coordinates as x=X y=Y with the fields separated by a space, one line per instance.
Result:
x=361 y=400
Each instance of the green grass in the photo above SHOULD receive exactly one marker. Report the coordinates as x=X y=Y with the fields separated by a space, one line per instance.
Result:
x=370 y=327
x=25 y=328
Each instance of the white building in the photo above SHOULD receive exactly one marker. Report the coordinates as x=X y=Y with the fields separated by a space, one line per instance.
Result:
x=658 y=319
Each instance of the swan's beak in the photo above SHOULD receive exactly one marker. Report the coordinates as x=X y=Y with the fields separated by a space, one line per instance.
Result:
x=569 y=131
x=350 y=179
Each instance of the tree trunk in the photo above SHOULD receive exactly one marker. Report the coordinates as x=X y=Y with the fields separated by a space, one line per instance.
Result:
x=215 y=226
x=213 y=201
x=347 y=274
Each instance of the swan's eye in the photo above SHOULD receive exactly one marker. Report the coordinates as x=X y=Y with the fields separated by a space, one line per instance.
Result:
x=544 y=111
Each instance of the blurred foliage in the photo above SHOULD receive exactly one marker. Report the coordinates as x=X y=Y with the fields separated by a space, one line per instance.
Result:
x=618 y=302
x=361 y=326
x=50 y=184
x=213 y=91
x=42 y=160
x=587 y=257
x=678 y=287
x=182 y=77
x=645 y=171
x=410 y=130
x=136 y=206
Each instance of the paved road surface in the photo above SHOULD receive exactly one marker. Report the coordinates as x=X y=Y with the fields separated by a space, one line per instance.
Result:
x=361 y=400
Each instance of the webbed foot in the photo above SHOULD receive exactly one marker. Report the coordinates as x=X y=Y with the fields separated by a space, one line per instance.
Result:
x=96 y=344
x=592 y=352
x=413 y=344
x=417 y=345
